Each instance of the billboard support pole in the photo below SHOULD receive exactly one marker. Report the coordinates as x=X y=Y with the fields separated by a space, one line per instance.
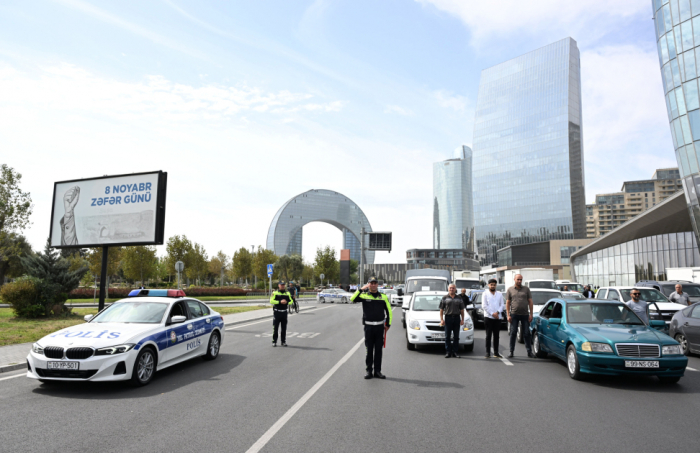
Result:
x=103 y=278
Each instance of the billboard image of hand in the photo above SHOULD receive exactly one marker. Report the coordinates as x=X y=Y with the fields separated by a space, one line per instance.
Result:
x=70 y=200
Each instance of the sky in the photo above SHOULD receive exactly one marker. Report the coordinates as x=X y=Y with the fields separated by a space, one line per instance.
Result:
x=247 y=104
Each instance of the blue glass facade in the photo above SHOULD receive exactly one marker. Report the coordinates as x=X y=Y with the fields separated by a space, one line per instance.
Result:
x=453 y=215
x=285 y=234
x=677 y=24
x=528 y=151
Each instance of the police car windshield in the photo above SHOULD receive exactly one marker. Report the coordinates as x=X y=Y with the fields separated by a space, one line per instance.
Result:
x=426 y=285
x=601 y=314
x=427 y=303
x=136 y=312
x=647 y=295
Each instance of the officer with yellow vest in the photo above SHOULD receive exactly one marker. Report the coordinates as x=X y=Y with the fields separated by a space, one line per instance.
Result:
x=279 y=301
x=376 y=317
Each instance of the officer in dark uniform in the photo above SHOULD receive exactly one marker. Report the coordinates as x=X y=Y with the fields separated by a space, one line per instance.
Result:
x=279 y=301
x=376 y=317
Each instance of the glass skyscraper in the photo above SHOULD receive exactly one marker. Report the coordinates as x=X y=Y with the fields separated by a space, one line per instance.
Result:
x=528 y=151
x=677 y=24
x=453 y=215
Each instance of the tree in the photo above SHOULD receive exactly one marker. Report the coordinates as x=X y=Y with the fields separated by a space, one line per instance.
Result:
x=13 y=247
x=325 y=263
x=15 y=205
x=178 y=249
x=198 y=263
x=289 y=267
x=114 y=257
x=261 y=259
x=139 y=262
x=307 y=274
x=219 y=265
x=242 y=265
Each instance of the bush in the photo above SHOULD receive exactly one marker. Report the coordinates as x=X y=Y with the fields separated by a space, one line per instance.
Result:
x=23 y=296
x=117 y=293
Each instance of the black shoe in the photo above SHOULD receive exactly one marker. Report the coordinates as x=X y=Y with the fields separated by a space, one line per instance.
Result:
x=510 y=356
x=274 y=345
x=456 y=356
x=379 y=375
x=448 y=355
x=497 y=355
x=368 y=375
x=487 y=356
x=284 y=344
x=531 y=355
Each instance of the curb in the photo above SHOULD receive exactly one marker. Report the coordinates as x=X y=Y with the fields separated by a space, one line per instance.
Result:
x=261 y=317
x=6 y=368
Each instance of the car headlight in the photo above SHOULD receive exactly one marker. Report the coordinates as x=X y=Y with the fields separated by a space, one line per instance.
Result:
x=122 y=348
x=37 y=349
x=468 y=324
x=596 y=347
x=413 y=324
x=671 y=350
x=480 y=311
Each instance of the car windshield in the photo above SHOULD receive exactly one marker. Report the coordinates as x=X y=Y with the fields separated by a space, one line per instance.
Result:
x=477 y=298
x=575 y=296
x=691 y=290
x=136 y=312
x=601 y=314
x=648 y=295
x=542 y=297
x=570 y=287
x=467 y=284
x=427 y=303
x=427 y=284
x=500 y=287
x=542 y=285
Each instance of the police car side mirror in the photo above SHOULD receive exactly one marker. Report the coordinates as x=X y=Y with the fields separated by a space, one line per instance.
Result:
x=177 y=319
x=87 y=318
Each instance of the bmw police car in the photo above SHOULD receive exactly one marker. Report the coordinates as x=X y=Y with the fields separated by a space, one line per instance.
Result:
x=130 y=340
x=334 y=295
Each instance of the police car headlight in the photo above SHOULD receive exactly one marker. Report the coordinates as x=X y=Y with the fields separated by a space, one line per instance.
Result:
x=480 y=311
x=468 y=324
x=413 y=324
x=122 y=348
x=37 y=349
x=671 y=350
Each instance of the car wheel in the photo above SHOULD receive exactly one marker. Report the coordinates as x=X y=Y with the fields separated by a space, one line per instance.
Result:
x=344 y=300
x=144 y=367
x=536 y=347
x=410 y=346
x=521 y=340
x=572 y=363
x=213 y=347
x=669 y=379
x=322 y=300
x=469 y=347
x=684 y=343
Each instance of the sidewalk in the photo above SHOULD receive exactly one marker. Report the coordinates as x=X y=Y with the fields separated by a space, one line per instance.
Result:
x=13 y=357
x=208 y=302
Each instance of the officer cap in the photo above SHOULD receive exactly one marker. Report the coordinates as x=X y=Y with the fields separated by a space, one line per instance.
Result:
x=281 y=282
x=372 y=280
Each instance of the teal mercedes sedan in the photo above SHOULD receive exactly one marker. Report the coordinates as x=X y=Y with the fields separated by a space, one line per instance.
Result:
x=605 y=337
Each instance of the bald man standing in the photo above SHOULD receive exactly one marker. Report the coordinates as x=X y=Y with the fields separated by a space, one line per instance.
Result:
x=519 y=309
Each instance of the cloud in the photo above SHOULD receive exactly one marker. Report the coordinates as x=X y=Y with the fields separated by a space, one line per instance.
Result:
x=398 y=110
x=451 y=101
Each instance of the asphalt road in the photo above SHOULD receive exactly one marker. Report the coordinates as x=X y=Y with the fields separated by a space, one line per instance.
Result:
x=241 y=402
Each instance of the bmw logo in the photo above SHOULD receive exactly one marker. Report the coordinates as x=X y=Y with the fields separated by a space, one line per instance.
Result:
x=173 y=337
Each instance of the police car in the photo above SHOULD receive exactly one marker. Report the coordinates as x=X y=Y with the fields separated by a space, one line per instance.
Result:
x=130 y=340
x=333 y=295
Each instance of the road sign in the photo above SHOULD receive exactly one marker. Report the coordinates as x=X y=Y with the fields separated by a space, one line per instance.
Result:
x=269 y=270
x=322 y=275
x=179 y=266
x=380 y=241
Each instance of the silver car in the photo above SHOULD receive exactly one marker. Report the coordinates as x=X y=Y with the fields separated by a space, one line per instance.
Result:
x=333 y=295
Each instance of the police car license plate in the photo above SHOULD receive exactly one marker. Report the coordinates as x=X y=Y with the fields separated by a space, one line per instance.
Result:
x=641 y=364
x=439 y=335
x=63 y=365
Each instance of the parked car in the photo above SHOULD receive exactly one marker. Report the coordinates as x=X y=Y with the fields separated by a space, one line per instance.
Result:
x=668 y=287
x=605 y=337
x=333 y=295
x=539 y=298
x=423 y=321
x=477 y=313
x=663 y=308
x=685 y=329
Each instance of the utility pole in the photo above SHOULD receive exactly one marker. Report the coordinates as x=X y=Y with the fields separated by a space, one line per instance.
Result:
x=360 y=271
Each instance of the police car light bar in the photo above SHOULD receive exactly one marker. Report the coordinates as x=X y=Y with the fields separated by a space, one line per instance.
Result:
x=157 y=293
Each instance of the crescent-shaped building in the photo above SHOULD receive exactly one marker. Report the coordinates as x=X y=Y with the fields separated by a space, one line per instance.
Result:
x=318 y=205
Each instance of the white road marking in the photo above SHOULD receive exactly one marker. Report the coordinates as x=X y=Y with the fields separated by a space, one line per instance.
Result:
x=691 y=369
x=506 y=361
x=257 y=446
x=12 y=377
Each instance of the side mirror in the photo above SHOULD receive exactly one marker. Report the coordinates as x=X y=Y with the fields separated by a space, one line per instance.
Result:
x=657 y=323
x=555 y=321
x=399 y=292
x=87 y=318
x=178 y=319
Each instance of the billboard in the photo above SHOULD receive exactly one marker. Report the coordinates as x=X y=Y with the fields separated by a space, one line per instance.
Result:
x=111 y=210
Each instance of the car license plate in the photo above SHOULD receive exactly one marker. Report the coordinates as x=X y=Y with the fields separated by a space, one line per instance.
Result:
x=438 y=335
x=641 y=364
x=63 y=365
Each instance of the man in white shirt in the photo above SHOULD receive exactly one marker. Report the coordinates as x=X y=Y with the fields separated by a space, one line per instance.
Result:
x=493 y=305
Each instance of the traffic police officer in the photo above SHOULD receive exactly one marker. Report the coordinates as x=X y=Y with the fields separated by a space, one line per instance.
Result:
x=376 y=317
x=279 y=301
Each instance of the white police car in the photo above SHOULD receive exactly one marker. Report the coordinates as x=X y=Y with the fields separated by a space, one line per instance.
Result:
x=130 y=340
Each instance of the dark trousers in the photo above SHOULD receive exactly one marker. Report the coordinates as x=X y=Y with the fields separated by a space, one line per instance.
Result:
x=493 y=329
x=452 y=330
x=280 y=317
x=525 y=326
x=374 y=341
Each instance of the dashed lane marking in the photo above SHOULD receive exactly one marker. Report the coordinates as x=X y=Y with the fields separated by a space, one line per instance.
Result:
x=506 y=361
x=12 y=377
x=691 y=369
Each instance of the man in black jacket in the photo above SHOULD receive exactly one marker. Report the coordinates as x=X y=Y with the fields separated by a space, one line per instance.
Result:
x=279 y=300
x=376 y=317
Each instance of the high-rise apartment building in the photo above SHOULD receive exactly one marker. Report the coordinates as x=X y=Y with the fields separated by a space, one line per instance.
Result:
x=677 y=24
x=453 y=214
x=528 y=180
x=613 y=209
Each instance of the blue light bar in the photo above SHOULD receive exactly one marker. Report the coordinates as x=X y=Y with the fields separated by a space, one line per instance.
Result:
x=157 y=293
x=134 y=292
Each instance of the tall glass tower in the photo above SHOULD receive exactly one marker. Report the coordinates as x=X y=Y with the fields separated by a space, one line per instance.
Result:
x=678 y=39
x=453 y=212
x=528 y=151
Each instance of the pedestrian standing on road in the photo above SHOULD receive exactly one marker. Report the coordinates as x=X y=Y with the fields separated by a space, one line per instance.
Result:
x=452 y=318
x=493 y=306
x=639 y=307
x=519 y=309
x=279 y=300
x=467 y=302
x=376 y=317
x=587 y=293
x=679 y=296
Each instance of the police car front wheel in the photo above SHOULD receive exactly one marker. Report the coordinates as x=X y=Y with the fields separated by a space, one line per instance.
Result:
x=213 y=347
x=144 y=367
